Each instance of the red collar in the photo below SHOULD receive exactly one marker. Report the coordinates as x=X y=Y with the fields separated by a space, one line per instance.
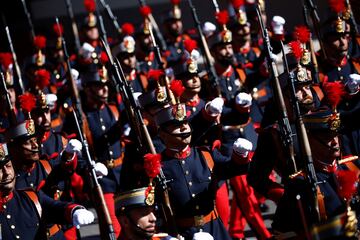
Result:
x=245 y=50
x=132 y=75
x=179 y=155
x=150 y=57
x=193 y=102
x=228 y=72
x=4 y=200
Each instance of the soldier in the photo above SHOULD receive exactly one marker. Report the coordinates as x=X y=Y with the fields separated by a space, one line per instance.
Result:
x=193 y=172
x=325 y=146
x=22 y=212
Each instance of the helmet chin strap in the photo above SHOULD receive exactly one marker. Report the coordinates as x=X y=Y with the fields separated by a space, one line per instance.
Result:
x=7 y=182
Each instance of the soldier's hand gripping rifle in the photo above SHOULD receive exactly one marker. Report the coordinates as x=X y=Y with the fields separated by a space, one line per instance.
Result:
x=158 y=33
x=13 y=53
x=73 y=25
x=111 y=16
x=213 y=77
x=28 y=17
x=97 y=192
x=6 y=96
x=305 y=151
x=143 y=138
x=283 y=120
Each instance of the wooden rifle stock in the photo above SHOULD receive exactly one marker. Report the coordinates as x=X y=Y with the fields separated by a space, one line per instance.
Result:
x=74 y=27
x=97 y=192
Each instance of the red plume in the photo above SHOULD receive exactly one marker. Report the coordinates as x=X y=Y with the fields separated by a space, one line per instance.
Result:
x=104 y=58
x=42 y=78
x=128 y=29
x=222 y=17
x=190 y=45
x=337 y=6
x=6 y=59
x=152 y=164
x=177 y=88
x=237 y=3
x=334 y=91
x=155 y=74
x=90 y=5
x=302 y=33
x=296 y=49
x=347 y=183
x=58 y=29
x=145 y=11
x=27 y=102
x=40 y=42
x=175 y=2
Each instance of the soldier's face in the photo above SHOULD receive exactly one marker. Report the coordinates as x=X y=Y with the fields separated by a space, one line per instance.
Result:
x=224 y=54
x=129 y=62
x=92 y=34
x=305 y=97
x=29 y=150
x=145 y=219
x=43 y=120
x=242 y=34
x=99 y=92
x=337 y=45
x=175 y=27
x=12 y=94
x=7 y=178
x=325 y=146
x=176 y=136
x=193 y=84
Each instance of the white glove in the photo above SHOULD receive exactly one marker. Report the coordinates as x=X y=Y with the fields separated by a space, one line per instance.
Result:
x=209 y=28
x=73 y=146
x=202 y=236
x=126 y=130
x=82 y=217
x=215 y=107
x=50 y=100
x=100 y=170
x=242 y=146
x=277 y=24
x=243 y=99
x=86 y=50
x=75 y=74
x=353 y=83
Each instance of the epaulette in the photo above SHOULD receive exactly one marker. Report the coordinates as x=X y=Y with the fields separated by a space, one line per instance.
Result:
x=205 y=152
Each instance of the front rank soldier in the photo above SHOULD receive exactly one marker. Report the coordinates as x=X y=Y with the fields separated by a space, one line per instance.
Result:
x=23 y=212
x=193 y=173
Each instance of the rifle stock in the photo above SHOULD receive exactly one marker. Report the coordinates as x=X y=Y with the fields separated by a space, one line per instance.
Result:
x=284 y=124
x=97 y=192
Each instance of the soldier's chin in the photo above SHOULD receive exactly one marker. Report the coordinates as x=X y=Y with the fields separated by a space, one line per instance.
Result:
x=194 y=89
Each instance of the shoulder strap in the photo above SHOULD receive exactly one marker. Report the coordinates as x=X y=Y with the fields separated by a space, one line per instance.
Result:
x=144 y=81
x=35 y=199
x=257 y=51
x=242 y=75
x=64 y=141
x=321 y=202
x=46 y=166
x=115 y=111
x=356 y=66
x=208 y=158
x=319 y=92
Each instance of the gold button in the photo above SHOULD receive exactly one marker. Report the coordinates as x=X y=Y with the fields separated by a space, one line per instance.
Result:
x=8 y=216
x=187 y=172
x=17 y=237
x=190 y=183
x=183 y=162
x=209 y=177
x=103 y=127
x=111 y=152
x=4 y=207
x=12 y=226
x=31 y=185
x=197 y=207
x=193 y=195
x=29 y=174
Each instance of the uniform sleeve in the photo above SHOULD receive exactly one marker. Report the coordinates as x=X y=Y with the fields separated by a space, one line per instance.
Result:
x=56 y=211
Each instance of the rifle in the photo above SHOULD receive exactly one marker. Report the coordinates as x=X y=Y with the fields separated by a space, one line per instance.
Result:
x=16 y=64
x=159 y=35
x=315 y=65
x=305 y=151
x=111 y=16
x=28 y=17
x=216 y=6
x=142 y=134
x=102 y=27
x=213 y=77
x=73 y=25
x=10 y=109
x=284 y=125
x=309 y=4
x=353 y=24
x=101 y=208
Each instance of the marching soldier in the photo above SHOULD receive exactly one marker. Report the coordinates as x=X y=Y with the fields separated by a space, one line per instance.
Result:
x=23 y=212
